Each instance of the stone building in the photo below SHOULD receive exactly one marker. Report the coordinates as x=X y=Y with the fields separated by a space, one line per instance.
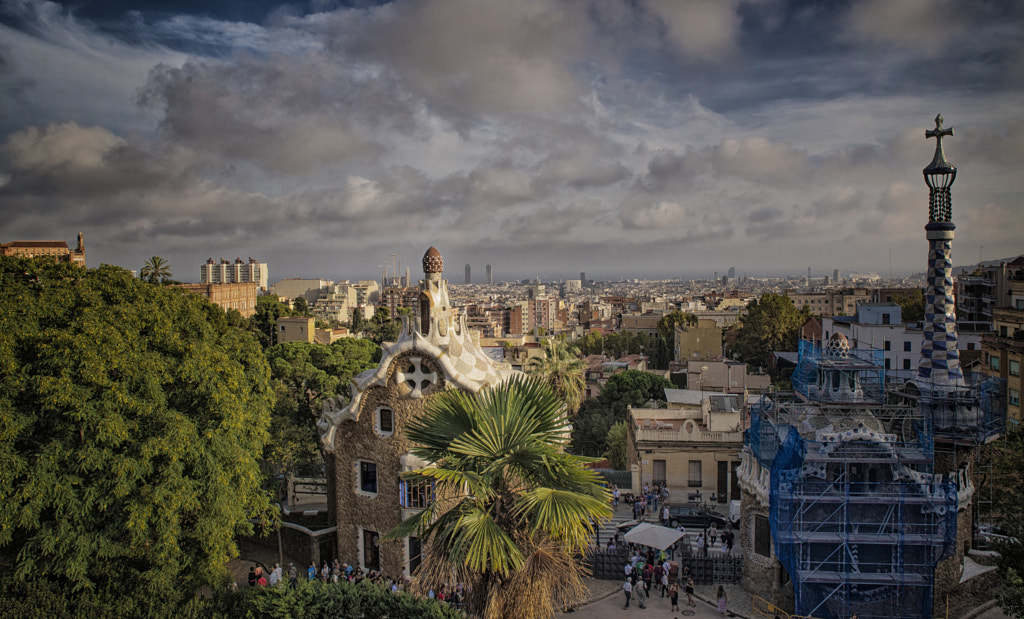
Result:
x=367 y=440
x=58 y=250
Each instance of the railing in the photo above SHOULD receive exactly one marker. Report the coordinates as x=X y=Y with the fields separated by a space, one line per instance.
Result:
x=681 y=435
x=766 y=609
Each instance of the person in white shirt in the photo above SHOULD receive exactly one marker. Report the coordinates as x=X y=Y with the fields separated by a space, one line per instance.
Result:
x=627 y=588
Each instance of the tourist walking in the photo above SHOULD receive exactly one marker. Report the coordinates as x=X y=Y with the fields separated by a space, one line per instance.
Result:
x=627 y=588
x=673 y=596
x=641 y=593
x=712 y=535
x=723 y=603
x=664 y=582
x=615 y=495
x=689 y=592
x=701 y=546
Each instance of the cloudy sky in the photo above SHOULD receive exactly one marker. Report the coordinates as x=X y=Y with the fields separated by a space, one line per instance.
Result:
x=545 y=137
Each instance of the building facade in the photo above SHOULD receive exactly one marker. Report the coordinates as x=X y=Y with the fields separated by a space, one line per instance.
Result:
x=241 y=297
x=693 y=445
x=237 y=272
x=57 y=250
x=366 y=438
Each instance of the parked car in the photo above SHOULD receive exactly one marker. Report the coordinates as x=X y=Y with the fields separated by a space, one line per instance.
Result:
x=694 y=517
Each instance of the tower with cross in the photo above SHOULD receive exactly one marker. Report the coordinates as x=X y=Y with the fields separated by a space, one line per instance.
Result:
x=940 y=360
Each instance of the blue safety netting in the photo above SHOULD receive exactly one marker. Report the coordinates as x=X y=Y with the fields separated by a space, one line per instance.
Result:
x=859 y=523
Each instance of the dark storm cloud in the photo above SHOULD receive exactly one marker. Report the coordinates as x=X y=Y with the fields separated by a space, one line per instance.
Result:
x=599 y=130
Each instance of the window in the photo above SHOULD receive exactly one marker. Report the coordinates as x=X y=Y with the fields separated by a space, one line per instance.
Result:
x=367 y=477
x=415 y=555
x=695 y=478
x=371 y=550
x=906 y=346
x=885 y=319
x=906 y=364
x=993 y=362
x=1014 y=397
x=887 y=345
x=415 y=495
x=1014 y=368
x=385 y=421
x=887 y=364
x=762 y=536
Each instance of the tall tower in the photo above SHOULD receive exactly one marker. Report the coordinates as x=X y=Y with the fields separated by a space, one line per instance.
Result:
x=487 y=276
x=469 y=278
x=940 y=360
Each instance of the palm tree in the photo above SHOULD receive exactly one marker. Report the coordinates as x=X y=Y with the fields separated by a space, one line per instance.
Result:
x=512 y=511
x=562 y=368
x=156 y=270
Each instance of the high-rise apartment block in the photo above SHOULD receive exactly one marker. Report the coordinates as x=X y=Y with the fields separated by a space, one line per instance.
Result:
x=469 y=277
x=489 y=279
x=237 y=272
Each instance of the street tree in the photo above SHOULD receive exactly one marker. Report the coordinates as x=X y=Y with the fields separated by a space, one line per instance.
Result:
x=618 y=437
x=131 y=417
x=668 y=322
x=771 y=323
x=300 y=306
x=512 y=509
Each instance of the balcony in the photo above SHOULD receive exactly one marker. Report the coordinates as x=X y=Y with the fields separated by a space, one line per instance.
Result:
x=681 y=435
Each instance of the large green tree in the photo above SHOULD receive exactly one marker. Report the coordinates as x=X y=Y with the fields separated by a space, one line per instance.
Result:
x=512 y=508
x=304 y=374
x=668 y=322
x=771 y=323
x=131 y=416
x=562 y=368
x=264 y=321
x=597 y=415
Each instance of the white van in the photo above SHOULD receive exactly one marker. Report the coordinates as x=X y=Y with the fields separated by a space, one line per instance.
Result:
x=734 y=512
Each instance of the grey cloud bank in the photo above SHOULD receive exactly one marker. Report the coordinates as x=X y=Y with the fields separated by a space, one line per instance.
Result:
x=618 y=138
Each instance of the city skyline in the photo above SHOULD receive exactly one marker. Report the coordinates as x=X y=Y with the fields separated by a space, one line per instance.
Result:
x=647 y=139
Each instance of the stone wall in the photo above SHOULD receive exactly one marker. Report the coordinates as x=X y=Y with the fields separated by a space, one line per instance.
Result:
x=359 y=440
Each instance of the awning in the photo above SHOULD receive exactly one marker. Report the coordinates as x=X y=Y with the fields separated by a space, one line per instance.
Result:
x=653 y=535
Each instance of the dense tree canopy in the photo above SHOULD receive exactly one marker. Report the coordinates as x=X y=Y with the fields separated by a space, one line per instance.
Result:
x=597 y=415
x=131 y=416
x=304 y=374
x=771 y=323
x=264 y=322
x=911 y=304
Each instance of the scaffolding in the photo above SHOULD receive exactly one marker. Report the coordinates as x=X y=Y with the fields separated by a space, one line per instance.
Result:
x=859 y=516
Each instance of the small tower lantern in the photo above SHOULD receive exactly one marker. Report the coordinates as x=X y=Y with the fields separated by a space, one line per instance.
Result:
x=939 y=175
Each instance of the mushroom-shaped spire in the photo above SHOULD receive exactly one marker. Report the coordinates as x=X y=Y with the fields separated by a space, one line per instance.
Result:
x=432 y=261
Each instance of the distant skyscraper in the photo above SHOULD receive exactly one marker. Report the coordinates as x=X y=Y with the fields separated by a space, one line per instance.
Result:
x=469 y=278
x=583 y=278
x=489 y=280
x=732 y=272
x=835 y=276
x=808 y=275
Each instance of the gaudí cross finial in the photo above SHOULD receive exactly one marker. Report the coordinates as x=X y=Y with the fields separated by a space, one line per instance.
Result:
x=939 y=163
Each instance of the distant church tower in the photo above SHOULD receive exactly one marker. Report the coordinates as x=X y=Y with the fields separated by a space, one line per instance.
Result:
x=940 y=360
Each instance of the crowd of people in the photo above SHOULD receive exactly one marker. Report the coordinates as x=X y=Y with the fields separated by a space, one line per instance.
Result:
x=644 y=578
x=337 y=572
